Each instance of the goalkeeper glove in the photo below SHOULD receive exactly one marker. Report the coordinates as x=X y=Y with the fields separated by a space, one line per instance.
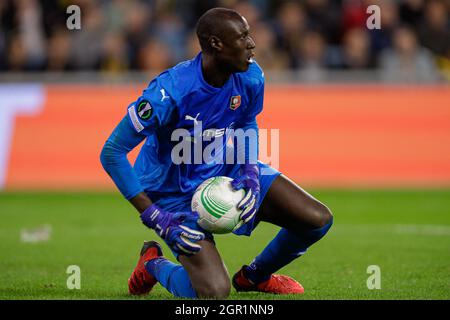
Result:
x=249 y=180
x=169 y=226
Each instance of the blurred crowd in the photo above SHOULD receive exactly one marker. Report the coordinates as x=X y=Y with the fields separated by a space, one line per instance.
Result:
x=308 y=36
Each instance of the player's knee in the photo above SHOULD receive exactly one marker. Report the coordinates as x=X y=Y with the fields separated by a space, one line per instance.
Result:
x=326 y=216
x=322 y=216
x=215 y=289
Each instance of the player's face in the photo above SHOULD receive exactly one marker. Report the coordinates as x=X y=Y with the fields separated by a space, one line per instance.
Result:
x=238 y=46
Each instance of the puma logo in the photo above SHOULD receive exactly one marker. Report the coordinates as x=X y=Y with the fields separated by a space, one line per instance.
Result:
x=163 y=93
x=188 y=117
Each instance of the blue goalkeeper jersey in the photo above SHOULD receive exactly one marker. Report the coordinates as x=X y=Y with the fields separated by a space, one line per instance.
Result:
x=180 y=98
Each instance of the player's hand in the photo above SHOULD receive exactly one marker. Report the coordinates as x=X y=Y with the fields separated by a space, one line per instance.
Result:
x=169 y=226
x=249 y=180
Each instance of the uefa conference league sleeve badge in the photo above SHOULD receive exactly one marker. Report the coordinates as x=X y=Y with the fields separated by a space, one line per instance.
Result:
x=144 y=110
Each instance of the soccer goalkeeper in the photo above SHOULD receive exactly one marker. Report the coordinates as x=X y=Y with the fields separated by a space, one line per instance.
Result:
x=223 y=88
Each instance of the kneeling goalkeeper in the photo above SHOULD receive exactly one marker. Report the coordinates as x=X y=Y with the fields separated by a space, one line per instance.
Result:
x=223 y=88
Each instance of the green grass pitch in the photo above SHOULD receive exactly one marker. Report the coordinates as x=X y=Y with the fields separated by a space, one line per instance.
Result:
x=405 y=233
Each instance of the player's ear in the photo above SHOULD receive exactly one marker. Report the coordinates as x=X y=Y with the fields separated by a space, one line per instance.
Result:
x=215 y=43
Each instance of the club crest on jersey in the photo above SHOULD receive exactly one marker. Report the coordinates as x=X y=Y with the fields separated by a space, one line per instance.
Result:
x=235 y=102
x=144 y=110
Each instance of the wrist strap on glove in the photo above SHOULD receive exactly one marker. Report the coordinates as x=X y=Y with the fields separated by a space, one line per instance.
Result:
x=151 y=216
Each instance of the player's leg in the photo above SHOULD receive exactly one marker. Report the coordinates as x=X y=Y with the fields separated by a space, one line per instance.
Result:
x=289 y=206
x=207 y=272
x=304 y=221
x=153 y=267
x=202 y=275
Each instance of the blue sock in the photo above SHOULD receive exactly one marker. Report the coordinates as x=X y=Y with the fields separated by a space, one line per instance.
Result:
x=283 y=249
x=172 y=276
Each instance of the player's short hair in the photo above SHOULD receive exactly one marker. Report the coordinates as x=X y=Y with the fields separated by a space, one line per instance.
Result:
x=211 y=23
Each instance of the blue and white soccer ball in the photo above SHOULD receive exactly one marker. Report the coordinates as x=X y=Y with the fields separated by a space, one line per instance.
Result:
x=216 y=203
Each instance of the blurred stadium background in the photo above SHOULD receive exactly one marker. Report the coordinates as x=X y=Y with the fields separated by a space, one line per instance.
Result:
x=354 y=106
x=356 y=109
x=307 y=38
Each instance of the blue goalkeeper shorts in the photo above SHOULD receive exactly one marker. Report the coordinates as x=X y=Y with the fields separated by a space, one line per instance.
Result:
x=182 y=202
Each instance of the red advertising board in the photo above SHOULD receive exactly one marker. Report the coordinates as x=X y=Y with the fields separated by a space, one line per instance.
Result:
x=329 y=136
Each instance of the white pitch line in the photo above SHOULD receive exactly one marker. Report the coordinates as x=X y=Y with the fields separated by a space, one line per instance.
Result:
x=414 y=229
x=429 y=230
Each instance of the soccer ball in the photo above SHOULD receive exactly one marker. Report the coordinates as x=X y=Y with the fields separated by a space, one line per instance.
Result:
x=216 y=201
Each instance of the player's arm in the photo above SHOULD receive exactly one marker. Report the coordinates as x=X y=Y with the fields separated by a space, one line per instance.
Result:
x=249 y=149
x=167 y=225
x=143 y=117
x=249 y=178
x=114 y=160
x=141 y=202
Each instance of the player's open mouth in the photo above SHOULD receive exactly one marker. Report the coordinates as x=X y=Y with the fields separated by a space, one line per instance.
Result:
x=250 y=58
